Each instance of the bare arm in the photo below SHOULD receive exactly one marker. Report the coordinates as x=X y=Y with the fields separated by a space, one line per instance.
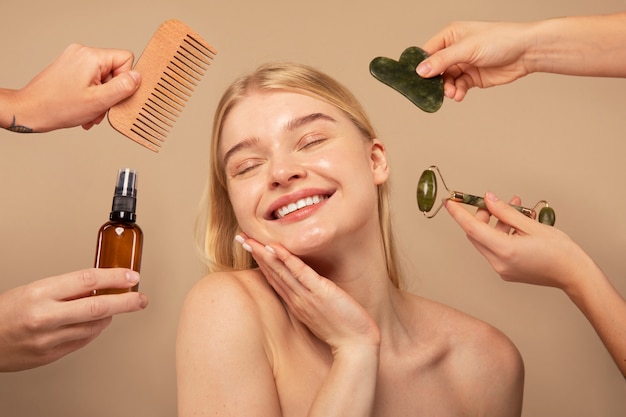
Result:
x=76 y=89
x=543 y=255
x=222 y=366
x=47 y=319
x=581 y=45
x=486 y=54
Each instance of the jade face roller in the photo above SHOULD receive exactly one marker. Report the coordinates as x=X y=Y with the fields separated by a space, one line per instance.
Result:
x=427 y=195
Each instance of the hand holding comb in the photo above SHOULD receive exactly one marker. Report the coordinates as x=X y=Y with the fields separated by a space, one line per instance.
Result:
x=171 y=66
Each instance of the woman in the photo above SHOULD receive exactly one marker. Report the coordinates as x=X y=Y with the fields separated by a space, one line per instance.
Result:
x=302 y=314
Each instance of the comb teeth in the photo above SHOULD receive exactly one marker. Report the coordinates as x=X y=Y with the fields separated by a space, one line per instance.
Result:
x=171 y=66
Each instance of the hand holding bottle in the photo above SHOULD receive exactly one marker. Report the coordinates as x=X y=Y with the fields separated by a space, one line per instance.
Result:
x=47 y=319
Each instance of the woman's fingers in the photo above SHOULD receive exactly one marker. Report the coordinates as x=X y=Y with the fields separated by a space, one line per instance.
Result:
x=318 y=302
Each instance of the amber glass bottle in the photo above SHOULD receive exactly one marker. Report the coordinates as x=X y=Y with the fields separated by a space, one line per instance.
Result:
x=120 y=240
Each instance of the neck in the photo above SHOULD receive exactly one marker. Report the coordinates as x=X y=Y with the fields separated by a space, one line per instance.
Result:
x=361 y=271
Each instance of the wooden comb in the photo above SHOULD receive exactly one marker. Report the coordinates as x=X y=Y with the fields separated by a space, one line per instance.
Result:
x=171 y=66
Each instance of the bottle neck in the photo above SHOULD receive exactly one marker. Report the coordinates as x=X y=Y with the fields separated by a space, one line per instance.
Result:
x=123 y=209
x=123 y=216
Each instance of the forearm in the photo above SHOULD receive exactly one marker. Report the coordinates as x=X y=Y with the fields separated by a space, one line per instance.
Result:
x=350 y=385
x=579 y=45
x=10 y=112
x=605 y=309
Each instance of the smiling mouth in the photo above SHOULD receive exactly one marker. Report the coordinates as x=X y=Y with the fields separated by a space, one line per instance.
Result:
x=300 y=204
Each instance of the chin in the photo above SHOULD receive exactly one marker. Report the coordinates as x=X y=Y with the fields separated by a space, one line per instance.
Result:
x=308 y=244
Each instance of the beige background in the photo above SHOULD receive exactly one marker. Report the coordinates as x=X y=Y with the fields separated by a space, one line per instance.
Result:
x=553 y=137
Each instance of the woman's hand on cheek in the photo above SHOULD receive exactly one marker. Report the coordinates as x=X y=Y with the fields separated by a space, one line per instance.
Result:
x=328 y=311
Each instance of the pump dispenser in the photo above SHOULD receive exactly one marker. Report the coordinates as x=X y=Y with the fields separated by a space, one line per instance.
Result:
x=120 y=240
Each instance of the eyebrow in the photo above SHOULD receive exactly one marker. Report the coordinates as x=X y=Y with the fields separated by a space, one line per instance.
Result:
x=301 y=121
x=290 y=126
x=246 y=143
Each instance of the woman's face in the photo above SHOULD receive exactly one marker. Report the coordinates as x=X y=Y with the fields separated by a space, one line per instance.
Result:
x=299 y=172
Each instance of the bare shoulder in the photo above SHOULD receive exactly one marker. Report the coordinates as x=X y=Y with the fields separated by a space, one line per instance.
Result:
x=489 y=367
x=464 y=334
x=482 y=361
x=216 y=285
x=229 y=296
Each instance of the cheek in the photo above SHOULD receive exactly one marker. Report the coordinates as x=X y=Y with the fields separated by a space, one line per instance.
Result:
x=244 y=199
x=332 y=165
x=326 y=163
x=235 y=194
x=349 y=166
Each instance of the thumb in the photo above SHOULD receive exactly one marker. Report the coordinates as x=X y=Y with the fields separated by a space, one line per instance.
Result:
x=120 y=87
x=440 y=61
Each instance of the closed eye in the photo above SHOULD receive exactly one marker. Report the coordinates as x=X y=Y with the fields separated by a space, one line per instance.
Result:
x=244 y=167
x=310 y=142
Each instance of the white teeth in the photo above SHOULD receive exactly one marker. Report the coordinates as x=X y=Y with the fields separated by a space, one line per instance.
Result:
x=304 y=202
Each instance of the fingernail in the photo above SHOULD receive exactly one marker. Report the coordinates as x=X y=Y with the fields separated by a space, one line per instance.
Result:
x=423 y=69
x=143 y=301
x=242 y=241
x=491 y=196
x=132 y=277
x=270 y=249
x=449 y=91
x=135 y=75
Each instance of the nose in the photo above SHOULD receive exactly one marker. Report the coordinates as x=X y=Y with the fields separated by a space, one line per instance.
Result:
x=284 y=171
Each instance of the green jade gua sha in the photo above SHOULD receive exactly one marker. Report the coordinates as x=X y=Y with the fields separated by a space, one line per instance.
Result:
x=427 y=194
x=425 y=93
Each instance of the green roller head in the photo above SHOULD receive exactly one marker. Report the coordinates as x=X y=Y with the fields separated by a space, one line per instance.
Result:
x=426 y=191
x=547 y=216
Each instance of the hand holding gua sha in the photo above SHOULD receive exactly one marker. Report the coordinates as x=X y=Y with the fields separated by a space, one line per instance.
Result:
x=427 y=194
x=425 y=93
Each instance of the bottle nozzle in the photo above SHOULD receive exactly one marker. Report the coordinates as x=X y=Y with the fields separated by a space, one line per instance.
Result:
x=126 y=183
x=125 y=197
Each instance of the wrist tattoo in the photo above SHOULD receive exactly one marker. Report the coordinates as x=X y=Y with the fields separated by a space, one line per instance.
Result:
x=19 y=129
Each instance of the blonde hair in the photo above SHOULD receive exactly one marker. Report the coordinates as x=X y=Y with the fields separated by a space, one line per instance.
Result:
x=216 y=224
